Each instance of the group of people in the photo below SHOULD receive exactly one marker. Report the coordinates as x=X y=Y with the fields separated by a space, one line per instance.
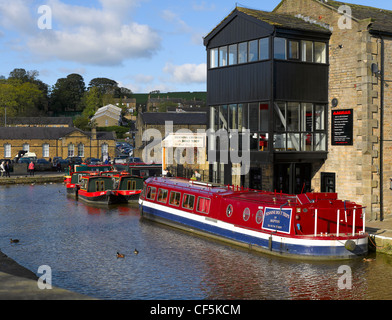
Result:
x=5 y=169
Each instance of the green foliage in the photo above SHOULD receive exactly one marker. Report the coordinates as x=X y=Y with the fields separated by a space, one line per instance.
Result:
x=120 y=131
x=67 y=94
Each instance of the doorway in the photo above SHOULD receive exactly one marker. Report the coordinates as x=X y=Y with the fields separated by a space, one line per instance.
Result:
x=292 y=178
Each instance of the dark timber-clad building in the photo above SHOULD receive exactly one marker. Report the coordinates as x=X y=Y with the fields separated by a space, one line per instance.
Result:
x=268 y=72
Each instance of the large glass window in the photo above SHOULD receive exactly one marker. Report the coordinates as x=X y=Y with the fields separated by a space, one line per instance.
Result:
x=263 y=117
x=293 y=50
x=214 y=58
x=253 y=117
x=279 y=48
x=243 y=52
x=320 y=52
x=299 y=127
x=253 y=51
x=223 y=56
x=233 y=53
x=320 y=117
x=307 y=51
x=233 y=116
x=264 y=49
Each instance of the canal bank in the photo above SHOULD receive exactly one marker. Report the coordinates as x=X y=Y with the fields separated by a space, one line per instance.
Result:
x=38 y=177
x=19 y=283
x=380 y=235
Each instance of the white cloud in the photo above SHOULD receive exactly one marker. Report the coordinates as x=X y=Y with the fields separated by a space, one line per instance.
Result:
x=90 y=35
x=186 y=73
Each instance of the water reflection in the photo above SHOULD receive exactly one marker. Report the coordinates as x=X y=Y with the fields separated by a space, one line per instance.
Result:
x=80 y=242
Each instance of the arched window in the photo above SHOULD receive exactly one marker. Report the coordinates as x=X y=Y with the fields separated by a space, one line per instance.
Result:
x=71 y=150
x=104 y=150
x=81 y=150
x=7 y=150
x=45 y=150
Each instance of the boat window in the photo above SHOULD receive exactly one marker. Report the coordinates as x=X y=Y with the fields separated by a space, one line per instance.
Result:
x=162 y=195
x=246 y=214
x=259 y=216
x=188 y=202
x=100 y=185
x=175 y=198
x=151 y=191
x=131 y=185
x=203 y=205
x=83 y=184
x=229 y=210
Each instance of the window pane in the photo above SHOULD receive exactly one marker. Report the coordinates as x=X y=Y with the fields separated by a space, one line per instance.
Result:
x=280 y=116
x=320 y=142
x=244 y=117
x=280 y=48
x=264 y=48
x=240 y=115
x=233 y=54
x=293 y=50
x=264 y=117
x=319 y=117
x=307 y=51
x=307 y=117
x=233 y=116
x=223 y=56
x=223 y=117
x=320 y=52
x=293 y=142
x=253 y=48
x=243 y=52
x=307 y=142
x=253 y=117
x=214 y=58
x=292 y=119
x=280 y=141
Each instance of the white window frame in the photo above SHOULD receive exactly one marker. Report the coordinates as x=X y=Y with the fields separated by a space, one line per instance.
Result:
x=7 y=150
x=45 y=150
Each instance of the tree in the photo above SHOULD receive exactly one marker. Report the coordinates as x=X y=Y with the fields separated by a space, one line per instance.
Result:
x=67 y=94
x=105 y=85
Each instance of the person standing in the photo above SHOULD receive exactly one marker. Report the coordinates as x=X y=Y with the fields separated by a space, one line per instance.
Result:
x=31 y=168
x=2 y=169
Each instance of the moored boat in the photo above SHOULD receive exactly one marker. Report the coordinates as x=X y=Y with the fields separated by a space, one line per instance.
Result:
x=95 y=189
x=73 y=184
x=126 y=188
x=311 y=225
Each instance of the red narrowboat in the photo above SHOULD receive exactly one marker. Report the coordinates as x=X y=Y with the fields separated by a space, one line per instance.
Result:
x=126 y=188
x=73 y=184
x=95 y=189
x=312 y=225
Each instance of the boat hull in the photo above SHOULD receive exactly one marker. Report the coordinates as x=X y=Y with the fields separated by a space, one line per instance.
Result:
x=307 y=247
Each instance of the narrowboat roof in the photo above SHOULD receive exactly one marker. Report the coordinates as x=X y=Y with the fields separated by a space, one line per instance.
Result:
x=222 y=190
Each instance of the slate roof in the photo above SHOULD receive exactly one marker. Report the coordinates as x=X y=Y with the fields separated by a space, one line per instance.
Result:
x=40 y=121
x=184 y=118
x=277 y=20
x=284 y=21
x=46 y=133
x=381 y=18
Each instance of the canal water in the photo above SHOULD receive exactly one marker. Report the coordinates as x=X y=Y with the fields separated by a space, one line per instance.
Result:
x=79 y=242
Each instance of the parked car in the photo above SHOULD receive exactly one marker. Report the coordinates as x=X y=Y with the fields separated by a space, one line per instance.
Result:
x=55 y=160
x=91 y=160
x=74 y=160
x=43 y=165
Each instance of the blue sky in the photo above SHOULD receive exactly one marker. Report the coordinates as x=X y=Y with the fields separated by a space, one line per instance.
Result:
x=144 y=45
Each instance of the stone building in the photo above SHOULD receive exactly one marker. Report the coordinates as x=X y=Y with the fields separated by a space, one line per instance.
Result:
x=107 y=116
x=49 y=142
x=360 y=68
x=323 y=112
